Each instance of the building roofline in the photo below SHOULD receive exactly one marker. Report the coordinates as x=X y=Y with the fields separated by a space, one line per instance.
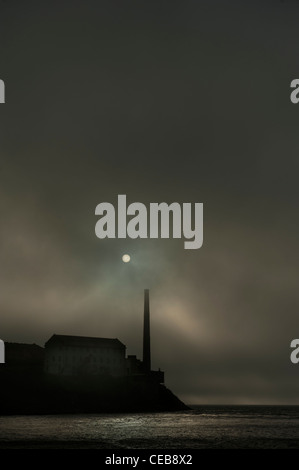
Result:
x=83 y=341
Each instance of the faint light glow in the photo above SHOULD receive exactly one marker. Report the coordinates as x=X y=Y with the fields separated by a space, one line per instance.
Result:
x=126 y=258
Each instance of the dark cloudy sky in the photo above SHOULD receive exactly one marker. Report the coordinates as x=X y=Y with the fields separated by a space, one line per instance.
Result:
x=183 y=101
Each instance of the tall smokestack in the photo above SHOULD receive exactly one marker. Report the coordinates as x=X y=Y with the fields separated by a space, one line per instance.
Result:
x=146 y=334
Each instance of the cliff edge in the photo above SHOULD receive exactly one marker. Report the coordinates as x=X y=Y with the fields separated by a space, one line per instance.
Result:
x=28 y=390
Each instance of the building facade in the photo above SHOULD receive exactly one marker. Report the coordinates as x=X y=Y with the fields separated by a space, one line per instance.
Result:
x=76 y=355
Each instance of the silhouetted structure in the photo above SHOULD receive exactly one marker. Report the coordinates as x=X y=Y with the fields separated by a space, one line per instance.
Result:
x=146 y=334
x=22 y=354
x=76 y=355
x=133 y=365
x=75 y=374
x=73 y=355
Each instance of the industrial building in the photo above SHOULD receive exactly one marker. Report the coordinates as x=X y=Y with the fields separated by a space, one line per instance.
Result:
x=72 y=355
x=78 y=355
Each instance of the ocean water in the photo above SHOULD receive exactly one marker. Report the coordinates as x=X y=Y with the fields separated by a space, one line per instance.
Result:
x=202 y=427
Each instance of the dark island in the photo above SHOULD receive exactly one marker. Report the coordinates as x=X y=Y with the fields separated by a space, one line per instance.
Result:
x=75 y=374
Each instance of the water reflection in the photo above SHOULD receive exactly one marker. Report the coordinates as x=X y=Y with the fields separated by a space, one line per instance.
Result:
x=206 y=427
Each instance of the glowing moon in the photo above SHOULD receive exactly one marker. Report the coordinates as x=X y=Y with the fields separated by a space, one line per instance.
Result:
x=126 y=258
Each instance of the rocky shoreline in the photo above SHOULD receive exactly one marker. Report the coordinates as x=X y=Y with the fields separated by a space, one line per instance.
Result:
x=30 y=391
